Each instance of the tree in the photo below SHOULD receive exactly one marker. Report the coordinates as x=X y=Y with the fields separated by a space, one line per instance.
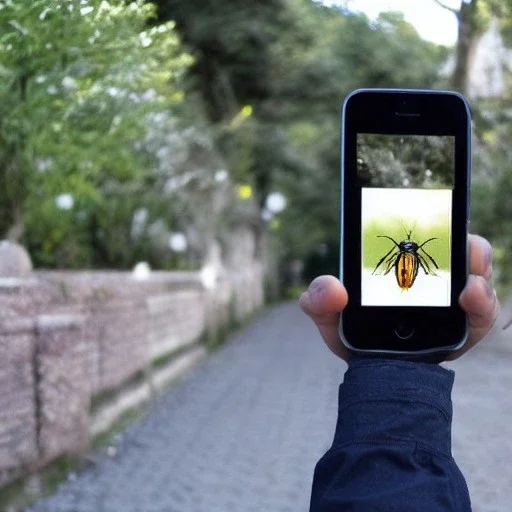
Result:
x=232 y=44
x=473 y=18
x=292 y=62
x=79 y=80
x=491 y=184
x=346 y=52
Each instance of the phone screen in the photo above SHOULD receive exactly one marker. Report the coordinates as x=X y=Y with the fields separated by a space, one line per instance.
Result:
x=406 y=185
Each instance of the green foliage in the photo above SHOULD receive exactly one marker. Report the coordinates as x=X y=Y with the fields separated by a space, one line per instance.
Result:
x=81 y=80
x=105 y=149
x=334 y=53
x=23 y=493
x=231 y=42
x=491 y=211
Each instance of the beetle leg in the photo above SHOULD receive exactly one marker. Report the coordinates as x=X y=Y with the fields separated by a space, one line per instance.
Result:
x=389 y=238
x=425 y=266
x=430 y=258
x=390 y=262
x=426 y=241
x=382 y=259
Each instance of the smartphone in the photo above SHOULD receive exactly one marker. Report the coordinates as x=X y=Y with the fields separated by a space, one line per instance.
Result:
x=405 y=178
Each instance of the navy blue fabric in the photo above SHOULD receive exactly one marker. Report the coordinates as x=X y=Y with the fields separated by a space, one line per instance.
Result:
x=392 y=446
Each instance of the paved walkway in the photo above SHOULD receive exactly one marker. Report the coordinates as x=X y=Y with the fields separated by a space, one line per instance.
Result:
x=243 y=430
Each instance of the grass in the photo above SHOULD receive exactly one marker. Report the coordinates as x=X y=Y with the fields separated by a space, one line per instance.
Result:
x=126 y=419
x=374 y=248
x=22 y=493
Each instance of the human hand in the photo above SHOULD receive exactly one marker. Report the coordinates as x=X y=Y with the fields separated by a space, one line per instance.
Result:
x=326 y=298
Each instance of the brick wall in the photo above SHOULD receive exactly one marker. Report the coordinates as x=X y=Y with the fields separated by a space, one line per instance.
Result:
x=18 y=426
x=68 y=339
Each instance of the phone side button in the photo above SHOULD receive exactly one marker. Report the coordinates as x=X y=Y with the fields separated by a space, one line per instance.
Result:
x=404 y=330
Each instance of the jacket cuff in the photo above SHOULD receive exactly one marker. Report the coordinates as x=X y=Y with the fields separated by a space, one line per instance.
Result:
x=396 y=400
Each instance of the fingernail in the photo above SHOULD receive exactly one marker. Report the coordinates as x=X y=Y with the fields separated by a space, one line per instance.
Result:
x=315 y=290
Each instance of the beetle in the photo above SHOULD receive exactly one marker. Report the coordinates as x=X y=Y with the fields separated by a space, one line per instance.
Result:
x=405 y=257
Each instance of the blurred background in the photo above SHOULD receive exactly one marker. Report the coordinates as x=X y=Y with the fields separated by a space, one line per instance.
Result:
x=137 y=131
x=168 y=167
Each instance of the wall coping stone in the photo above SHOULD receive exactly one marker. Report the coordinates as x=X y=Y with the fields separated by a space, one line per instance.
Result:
x=17 y=282
x=16 y=324
x=45 y=323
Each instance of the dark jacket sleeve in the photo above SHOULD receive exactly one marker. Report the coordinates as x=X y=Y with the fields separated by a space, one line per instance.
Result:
x=392 y=446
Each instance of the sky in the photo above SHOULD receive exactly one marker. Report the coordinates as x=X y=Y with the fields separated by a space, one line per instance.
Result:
x=430 y=20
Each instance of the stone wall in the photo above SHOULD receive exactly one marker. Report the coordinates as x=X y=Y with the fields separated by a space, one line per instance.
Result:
x=78 y=348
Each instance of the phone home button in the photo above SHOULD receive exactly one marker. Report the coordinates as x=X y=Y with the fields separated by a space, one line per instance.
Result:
x=404 y=330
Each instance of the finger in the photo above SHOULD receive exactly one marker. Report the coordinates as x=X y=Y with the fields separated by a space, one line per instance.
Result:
x=480 y=256
x=324 y=300
x=481 y=304
x=479 y=301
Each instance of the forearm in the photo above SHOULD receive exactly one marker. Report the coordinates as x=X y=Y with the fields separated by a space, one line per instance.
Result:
x=392 y=446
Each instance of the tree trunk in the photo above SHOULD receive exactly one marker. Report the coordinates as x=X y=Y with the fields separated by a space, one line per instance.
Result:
x=13 y=193
x=14 y=178
x=17 y=228
x=468 y=34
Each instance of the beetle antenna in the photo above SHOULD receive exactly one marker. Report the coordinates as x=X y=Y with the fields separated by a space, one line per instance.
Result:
x=405 y=230
x=412 y=229
x=408 y=234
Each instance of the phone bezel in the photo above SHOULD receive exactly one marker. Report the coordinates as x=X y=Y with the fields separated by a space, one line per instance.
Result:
x=412 y=112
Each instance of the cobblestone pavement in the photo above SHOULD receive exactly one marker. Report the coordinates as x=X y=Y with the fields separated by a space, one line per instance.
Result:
x=243 y=431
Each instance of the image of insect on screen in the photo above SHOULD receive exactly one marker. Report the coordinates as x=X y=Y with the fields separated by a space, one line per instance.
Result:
x=407 y=183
